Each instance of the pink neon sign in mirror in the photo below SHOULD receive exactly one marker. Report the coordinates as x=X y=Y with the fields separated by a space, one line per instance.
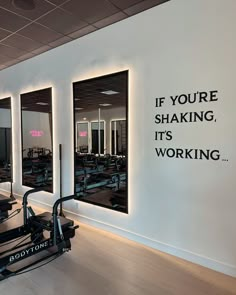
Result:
x=36 y=133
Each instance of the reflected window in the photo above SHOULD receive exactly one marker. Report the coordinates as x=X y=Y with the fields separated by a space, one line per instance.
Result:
x=5 y=140
x=37 y=139
x=101 y=172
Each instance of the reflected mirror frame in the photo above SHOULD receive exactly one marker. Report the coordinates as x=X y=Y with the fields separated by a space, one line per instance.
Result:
x=52 y=136
x=11 y=151
x=105 y=135
x=127 y=138
x=77 y=128
x=111 y=129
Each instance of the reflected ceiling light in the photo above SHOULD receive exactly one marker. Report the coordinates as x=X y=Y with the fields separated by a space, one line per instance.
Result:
x=42 y=103
x=109 y=92
x=78 y=109
x=24 y=4
x=23 y=108
x=77 y=99
x=105 y=104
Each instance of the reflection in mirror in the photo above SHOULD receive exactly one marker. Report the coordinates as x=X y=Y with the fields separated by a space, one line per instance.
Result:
x=5 y=140
x=118 y=137
x=101 y=144
x=97 y=138
x=37 y=139
x=82 y=137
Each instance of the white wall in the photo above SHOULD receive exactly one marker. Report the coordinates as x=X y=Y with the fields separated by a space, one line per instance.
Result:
x=184 y=207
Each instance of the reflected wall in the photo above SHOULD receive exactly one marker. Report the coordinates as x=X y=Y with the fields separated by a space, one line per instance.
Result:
x=37 y=139
x=101 y=140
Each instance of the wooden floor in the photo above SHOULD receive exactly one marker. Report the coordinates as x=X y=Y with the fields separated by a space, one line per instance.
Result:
x=101 y=263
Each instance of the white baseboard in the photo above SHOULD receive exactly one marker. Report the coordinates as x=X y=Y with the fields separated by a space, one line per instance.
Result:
x=181 y=253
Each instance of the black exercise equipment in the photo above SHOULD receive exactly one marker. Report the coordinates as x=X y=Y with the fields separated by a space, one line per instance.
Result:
x=60 y=170
x=32 y=240
x=6 y=204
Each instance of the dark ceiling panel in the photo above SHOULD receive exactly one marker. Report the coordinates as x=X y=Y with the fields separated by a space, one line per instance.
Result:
x=41 y=7
x=40 y=33
x=62 y=21
x=82 y=32
x=21 y=42
x=5 y=103
x=27 y=33
x=90 y=11
x=29 y=101
x=144 y=5
x=11 y=51
x=60 y=41
x=4 y=34
x=12 y=62
x=58 y=2
x=110 y=20
x=4 y=59
x=123 y=4
x=26 y=56
x=11 y=21
x=41 y=49
x=88 y=96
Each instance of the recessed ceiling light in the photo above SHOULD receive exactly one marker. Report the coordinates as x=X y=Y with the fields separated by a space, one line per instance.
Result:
x=84 y=119
x=109 y=92
x=42 y=103
x=79 y=109
x=105 y=104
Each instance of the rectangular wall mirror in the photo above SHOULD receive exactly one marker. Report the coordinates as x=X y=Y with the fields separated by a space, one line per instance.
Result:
x=37 y=139
x=101 y=141
x=5 y=140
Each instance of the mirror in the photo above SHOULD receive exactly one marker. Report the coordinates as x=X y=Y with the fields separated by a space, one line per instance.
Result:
x=37 y=139
x=101 y=145
x=5 y=140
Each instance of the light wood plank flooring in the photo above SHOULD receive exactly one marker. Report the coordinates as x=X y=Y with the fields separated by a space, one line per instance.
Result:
x=101 y=263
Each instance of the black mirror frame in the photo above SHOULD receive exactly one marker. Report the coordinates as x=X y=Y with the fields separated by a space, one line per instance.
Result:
x=127 y=139
x=49 y=88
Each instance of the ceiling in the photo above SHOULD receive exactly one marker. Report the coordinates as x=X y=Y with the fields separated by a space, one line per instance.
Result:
x=88 y=94
x=5 y=103
x=27 y=33
x=37 y=101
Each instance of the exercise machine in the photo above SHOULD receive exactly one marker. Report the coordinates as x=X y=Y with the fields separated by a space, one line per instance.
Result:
x=29 y=240
x=37 y=167
x=6 y=203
